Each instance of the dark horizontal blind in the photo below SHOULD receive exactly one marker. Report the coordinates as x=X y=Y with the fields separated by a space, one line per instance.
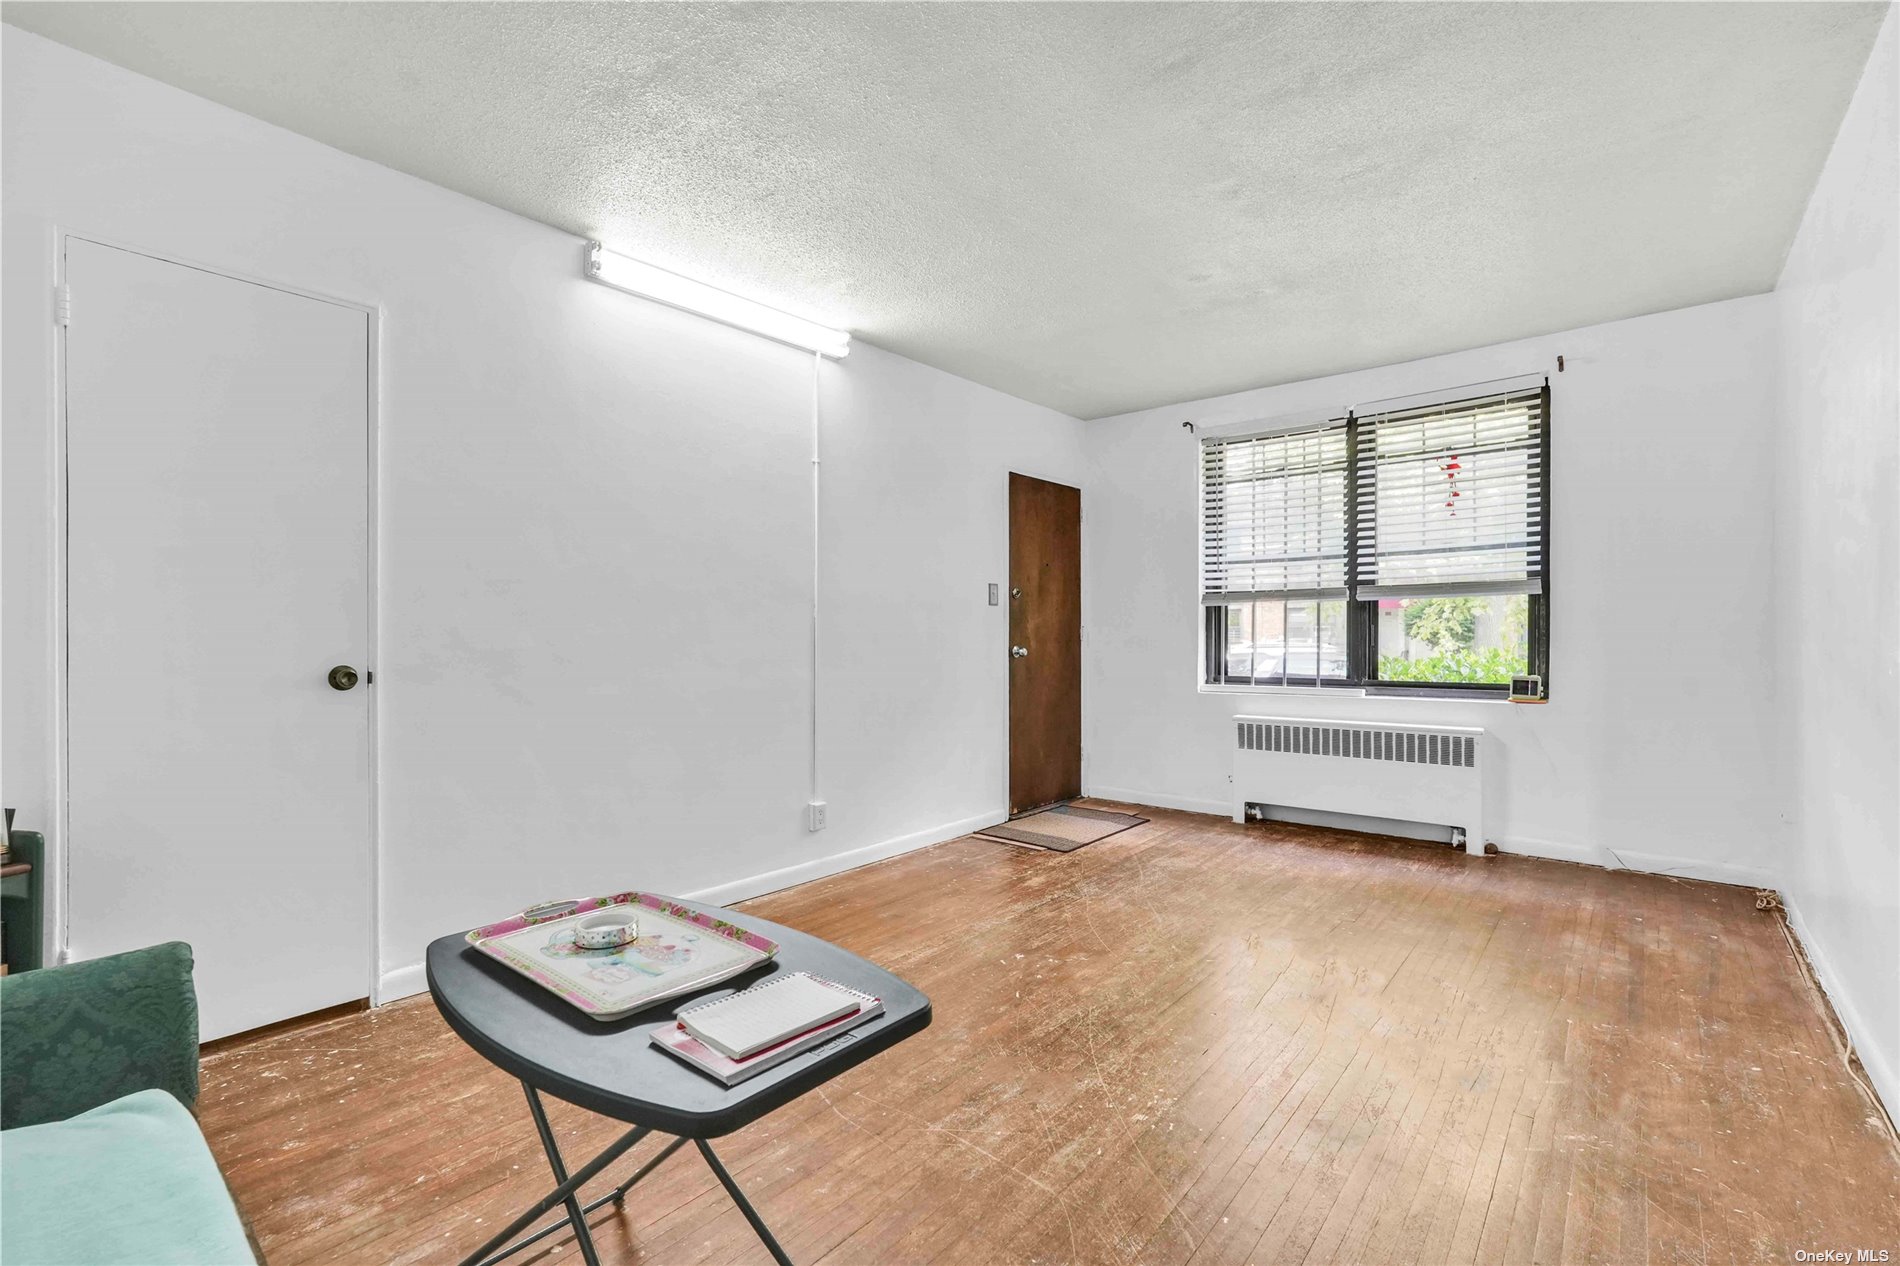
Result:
x=1451 y=498
x=1273 y=516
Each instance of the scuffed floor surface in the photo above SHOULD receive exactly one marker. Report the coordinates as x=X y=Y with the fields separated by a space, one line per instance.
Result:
x=1190 y=1043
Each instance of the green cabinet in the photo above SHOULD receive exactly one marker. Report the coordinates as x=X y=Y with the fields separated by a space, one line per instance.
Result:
x=23 y=901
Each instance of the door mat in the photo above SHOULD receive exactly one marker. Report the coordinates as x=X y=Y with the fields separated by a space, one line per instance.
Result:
x=1062 y=828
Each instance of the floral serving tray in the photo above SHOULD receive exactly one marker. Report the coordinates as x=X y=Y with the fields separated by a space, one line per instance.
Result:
x=677 y=951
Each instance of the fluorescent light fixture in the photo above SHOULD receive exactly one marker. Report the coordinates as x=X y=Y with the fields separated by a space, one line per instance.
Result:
x=637 y=278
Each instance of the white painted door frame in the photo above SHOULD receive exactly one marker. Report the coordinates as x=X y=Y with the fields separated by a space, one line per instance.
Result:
x=58 y=845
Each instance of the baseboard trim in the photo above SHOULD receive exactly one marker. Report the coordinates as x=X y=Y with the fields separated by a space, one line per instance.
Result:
x=1645 y=863
x=1219 y=808
x=405 y=982
x=838 y=863
x=1882 y=1074
x=1586 y=854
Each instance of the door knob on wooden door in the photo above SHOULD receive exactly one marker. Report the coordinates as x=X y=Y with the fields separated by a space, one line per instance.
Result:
x=342 y=677
x=1017 y=652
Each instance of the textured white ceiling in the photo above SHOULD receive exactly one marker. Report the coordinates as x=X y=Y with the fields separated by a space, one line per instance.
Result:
x=1096 y=206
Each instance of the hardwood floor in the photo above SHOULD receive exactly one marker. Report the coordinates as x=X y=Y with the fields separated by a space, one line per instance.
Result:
x=1191 y=1043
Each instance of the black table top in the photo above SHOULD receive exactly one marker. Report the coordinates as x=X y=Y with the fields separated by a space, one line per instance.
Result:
x=611 y=1068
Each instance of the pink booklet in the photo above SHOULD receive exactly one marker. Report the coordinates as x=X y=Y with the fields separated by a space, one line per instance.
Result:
x=676 y=1041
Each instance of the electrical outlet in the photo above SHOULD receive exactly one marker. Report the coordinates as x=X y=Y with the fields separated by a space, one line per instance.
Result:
x=816 y=809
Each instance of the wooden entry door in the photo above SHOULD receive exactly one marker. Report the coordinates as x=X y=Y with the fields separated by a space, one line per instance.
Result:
x=1045 y=642
x=218 y=475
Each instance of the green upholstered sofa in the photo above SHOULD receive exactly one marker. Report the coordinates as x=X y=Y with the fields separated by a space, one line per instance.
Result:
x=101 y=1160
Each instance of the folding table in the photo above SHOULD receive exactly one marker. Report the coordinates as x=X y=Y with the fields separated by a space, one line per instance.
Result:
x=612 y=1069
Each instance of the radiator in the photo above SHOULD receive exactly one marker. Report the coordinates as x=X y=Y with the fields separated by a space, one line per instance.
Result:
x=1433 y=774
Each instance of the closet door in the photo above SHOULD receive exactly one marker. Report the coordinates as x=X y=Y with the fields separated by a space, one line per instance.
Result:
x=218 y=466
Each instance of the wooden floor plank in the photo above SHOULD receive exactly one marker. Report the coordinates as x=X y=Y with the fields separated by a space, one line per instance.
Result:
x=1192 y=1042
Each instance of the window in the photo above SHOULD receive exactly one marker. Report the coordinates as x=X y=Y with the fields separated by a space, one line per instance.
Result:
x=1398 y=549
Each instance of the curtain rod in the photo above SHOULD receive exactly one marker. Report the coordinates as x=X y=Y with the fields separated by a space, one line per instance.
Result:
x=1288 y=423
x=1455 y=393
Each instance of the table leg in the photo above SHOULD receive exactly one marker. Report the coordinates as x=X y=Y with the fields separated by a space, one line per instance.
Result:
x=745 y=1206
x=559 y=1195
x=582 y=1235
x=615 y=1196
x=620 y=1193
x=566 y=1194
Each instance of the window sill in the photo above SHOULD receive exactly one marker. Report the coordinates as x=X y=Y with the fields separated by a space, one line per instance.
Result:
x=1324 y=692
x=1361 y=692
x=1439 y=695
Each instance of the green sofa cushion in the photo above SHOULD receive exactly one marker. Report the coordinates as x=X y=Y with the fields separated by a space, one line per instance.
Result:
x=129 y=1183
x=84 y=1034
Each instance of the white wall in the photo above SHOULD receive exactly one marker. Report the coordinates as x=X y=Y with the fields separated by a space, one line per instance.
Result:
x=1838 y=569
x=1657 y=742
x=596 y=538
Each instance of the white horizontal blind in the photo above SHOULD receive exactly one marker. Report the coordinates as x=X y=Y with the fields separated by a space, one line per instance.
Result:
x=1273 y=516
x=1451 y=498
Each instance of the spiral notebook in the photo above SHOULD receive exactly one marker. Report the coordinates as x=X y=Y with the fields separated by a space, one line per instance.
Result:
x=769 y=1013
x=769 y=1023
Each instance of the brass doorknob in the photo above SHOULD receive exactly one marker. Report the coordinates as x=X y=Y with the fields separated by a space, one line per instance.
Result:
x=342 y=677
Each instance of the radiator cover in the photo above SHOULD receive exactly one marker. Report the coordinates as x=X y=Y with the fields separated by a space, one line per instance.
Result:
x=1415 y=773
